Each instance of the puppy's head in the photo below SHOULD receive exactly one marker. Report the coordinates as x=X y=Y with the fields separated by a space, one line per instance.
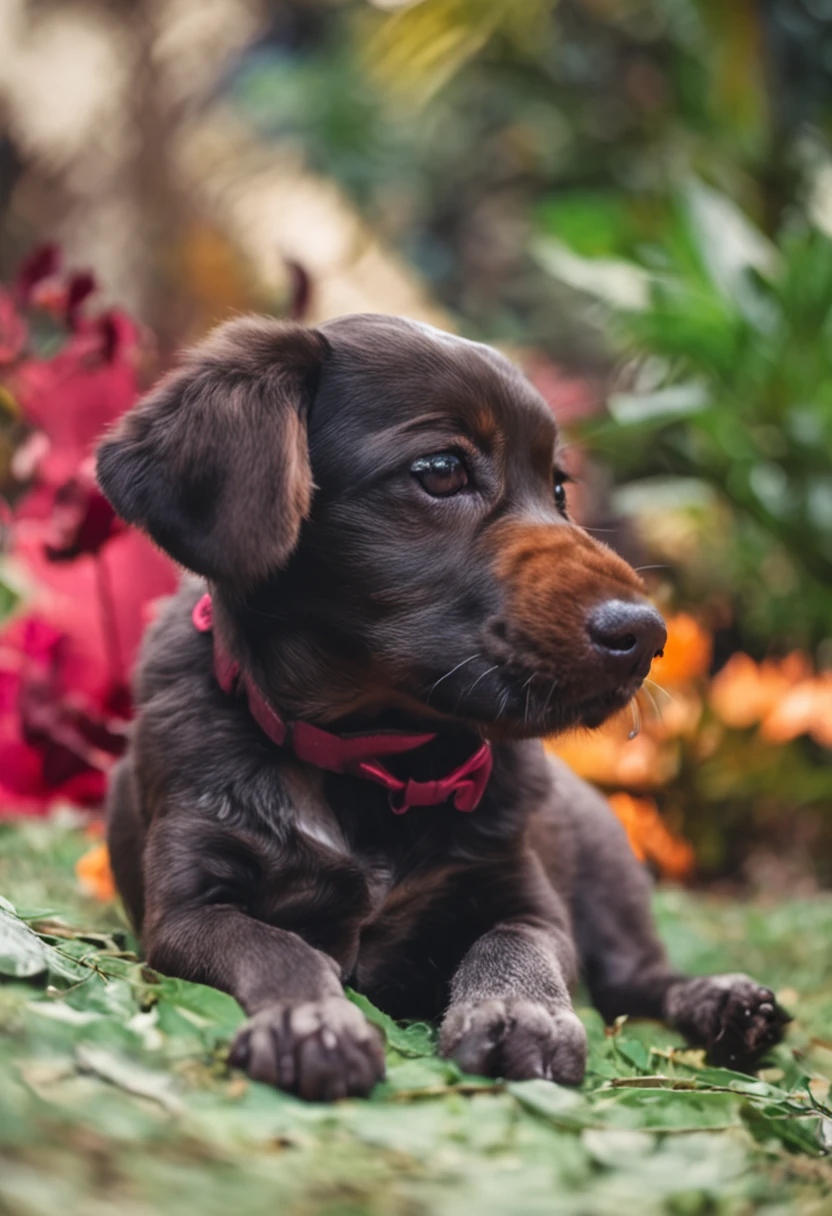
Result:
x=385 y=501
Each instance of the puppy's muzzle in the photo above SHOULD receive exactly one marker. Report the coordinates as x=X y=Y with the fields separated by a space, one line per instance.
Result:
x=574 y=612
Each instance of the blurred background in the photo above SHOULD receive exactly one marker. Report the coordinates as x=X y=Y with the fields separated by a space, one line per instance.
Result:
x=632 y=198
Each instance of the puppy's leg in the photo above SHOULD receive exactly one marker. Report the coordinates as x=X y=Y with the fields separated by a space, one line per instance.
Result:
x=303 y=1034
x=125 y=838
x=510 y=1014
x=732 y=1016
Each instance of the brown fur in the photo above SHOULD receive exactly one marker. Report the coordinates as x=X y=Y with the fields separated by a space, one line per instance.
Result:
x=276 y=463
x=553 y=576
x=219 y=445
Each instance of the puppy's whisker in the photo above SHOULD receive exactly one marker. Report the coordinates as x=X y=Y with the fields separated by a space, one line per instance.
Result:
x=434 y=686
x=466 y=692
x=636 y=719
x=652 y=701
x=659 y=688
x=660 y=566
x=548 y=699
x=528 y=689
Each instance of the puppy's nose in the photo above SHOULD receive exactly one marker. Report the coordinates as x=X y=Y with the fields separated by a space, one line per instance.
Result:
x=627 y=636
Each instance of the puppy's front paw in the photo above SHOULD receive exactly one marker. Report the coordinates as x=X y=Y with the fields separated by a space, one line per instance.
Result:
x=732 y=1016
x=321 y=1050
x=515 y=1039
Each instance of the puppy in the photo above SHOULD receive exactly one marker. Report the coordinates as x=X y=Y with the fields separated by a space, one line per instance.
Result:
x=335 y=776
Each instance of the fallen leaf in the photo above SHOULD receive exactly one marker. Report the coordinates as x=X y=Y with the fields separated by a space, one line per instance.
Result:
x=129 y=1076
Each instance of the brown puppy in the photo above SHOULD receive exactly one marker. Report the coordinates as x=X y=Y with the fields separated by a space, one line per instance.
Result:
x=380 y=514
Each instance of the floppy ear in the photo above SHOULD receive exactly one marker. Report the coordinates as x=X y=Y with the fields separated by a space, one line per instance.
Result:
x=213 y=463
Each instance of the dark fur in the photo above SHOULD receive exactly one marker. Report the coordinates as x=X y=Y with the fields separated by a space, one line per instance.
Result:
x=275 y=463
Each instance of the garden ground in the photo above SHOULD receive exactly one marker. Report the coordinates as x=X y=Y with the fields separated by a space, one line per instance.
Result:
x=115 y=1094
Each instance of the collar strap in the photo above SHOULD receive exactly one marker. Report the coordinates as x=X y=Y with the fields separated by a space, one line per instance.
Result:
x=357 y=755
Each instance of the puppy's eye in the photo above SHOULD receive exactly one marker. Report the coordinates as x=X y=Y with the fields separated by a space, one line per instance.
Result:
x=441 y=475
x=560 y=495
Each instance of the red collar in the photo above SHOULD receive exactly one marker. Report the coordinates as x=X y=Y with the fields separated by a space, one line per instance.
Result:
x=357 y=755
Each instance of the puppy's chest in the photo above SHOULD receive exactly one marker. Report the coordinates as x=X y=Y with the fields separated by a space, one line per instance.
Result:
x=344 y=869
x=350 y=821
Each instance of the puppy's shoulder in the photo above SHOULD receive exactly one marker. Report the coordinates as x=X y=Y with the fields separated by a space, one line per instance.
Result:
x=577 y=819
x=566 y=823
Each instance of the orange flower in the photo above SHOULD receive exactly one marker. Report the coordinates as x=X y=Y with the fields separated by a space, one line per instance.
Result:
x=821 y=728
x=744 y=692
x=672 y=717
x=806 y=708
x=94 y=873
x=687 y=652
x=608 y=757
x=650 y=838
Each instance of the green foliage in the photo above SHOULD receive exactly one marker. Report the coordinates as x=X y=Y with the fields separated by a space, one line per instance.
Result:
x=737 y=395
x=8 y=598
x=116 y=1091
x=454 y=123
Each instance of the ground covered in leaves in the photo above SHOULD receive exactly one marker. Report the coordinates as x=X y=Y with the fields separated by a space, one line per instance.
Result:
x=115 y=1094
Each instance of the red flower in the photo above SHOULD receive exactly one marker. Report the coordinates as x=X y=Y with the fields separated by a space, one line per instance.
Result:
x=71 y=398
x=82 y=518
x=39 y=284
x=64 y=669
x=99 y=602
x=41 y=263
x=53 y=743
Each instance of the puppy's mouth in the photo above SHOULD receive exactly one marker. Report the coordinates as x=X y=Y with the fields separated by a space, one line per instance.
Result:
x=507 y=704
x=532 y=685
x=593 y=712
x=540 y=714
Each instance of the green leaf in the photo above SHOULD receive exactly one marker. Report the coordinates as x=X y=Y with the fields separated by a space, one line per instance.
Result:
x=615 y=282
x=677 y=401
x=425 y=1073
x=564 y=1107
x=114 y=1091
x=205 y=1009
x=591 y=224
x=797 y=1135
x=8 y=599
x=415 y=1039
x=129 y=1076
x=730 y=246
x=22 y=953
x=669 y=1109
x=635 y=1054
